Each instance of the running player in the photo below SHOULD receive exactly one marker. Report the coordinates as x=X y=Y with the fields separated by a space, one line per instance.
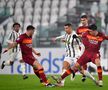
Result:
x=25 y=42
x=15 y=53
x=73 y=48
x=92 y=41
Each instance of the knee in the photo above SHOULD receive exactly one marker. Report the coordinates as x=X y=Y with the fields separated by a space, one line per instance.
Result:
x=97 y=62
x=11 y=62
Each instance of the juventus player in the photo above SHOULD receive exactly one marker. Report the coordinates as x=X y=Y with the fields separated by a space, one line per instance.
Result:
x=73 y=48
x=15 y=53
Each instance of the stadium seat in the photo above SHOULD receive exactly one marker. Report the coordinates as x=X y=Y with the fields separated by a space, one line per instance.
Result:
x=45 y=19
x=72 y=3
x=10 y=3
x=63 y=11
x=55 y=3
x=2 y=3
x=25 y=25
x=19 y=3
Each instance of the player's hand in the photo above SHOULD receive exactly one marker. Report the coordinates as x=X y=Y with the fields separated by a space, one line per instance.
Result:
x=38 y=54
x=5 y=50
x=63 y=40
x=53 y=40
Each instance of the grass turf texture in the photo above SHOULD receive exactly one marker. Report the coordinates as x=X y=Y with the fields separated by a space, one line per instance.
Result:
x=15 y=82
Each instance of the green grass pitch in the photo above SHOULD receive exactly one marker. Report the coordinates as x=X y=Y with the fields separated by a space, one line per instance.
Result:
x=15 y=82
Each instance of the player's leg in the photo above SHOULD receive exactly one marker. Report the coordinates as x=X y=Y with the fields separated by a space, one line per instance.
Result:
x=10 y=61
x=22 y=63
x=66 y=66
x=82 y=61
x=99 y=71
x=84 y=67
x=37 y=67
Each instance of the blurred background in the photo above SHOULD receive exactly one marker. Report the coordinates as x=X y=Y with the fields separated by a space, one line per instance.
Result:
x=49 y=17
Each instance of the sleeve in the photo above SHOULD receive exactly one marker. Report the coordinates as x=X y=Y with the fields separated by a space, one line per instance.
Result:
x=19 y=39
x=10 y=38
x=104 y=36
x=60 y=37
x=77 y=31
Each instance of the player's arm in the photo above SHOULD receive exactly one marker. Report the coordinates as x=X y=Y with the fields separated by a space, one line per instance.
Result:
x=10 y=37
x=12 y=45
x=58 y=38
x=35 y=52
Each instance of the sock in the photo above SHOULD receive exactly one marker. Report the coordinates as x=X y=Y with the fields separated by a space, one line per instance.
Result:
x=23 y=68
x=36 y=71
x=88 y=75
x=42 y=75
x=63 y=71
x=7 y=63
x=99 y=71
x=67 y=73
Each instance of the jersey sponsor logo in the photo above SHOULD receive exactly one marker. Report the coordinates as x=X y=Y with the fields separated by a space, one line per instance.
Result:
x=93 y=42
x=29 y=45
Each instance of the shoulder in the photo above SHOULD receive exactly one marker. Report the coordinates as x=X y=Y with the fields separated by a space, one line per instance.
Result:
x=85 y=34
x=22 y=36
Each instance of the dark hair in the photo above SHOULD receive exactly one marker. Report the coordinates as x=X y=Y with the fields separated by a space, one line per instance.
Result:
x=30 y=27
x=84 y=16
x=16 y=24
x=68 y=24
x=92 y=27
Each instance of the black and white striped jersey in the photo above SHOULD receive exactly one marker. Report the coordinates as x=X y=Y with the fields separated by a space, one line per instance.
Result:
x=73 y=44
x=12 y=38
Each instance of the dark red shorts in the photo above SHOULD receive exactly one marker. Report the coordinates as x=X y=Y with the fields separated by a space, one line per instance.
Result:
x=88 y=57
x=29 y=59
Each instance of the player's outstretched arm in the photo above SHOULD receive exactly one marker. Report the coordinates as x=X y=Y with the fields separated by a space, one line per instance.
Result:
x=57 y=38
x=12 y=45
x=35 y=52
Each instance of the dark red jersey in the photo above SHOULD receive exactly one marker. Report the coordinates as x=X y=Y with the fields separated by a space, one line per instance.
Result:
x=25 y=44
x=81 y=30
x=93 y=43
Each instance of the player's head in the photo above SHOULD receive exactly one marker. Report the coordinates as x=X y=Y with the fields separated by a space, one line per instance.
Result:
x=16 y=27
x=68 y=28
x=93 y=29
x=30 y=30
x=84 y=20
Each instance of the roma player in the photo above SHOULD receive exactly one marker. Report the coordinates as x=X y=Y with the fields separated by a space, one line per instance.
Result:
x=25 y=42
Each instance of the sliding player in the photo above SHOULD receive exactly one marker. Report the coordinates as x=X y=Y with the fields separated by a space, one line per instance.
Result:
x=15 y=53
x=25 y=42
x=92 y=41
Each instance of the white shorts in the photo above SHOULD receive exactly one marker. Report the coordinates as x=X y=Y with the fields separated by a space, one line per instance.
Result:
x=70 y=60
x=15 y=56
